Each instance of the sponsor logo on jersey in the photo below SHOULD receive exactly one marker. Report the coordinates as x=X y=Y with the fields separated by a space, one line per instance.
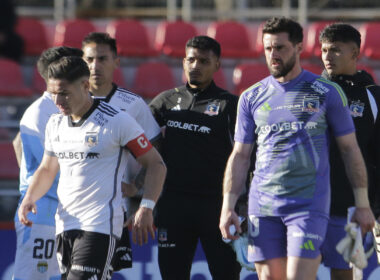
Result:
x=85 y=268
x=91 y=139
x=357 y=109
x=308 y=245
x=212 y=109
x=265 y=107
x=189 y=126
x=311 y=105
x=77 y=155
x=287 y=126
x=319 y=87
x=42 y=266
x=56 y=139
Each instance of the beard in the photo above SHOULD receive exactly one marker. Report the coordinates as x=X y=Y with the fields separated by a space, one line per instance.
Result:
x=285 y=69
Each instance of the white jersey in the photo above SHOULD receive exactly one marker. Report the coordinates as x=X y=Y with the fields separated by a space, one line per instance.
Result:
x=134 y=105
x=92 y=157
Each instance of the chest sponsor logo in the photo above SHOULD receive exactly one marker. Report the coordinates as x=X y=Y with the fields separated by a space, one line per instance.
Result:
x=212 y=109
x=189 y=126
x=310 y=105
x=91 y=139
x=319 y=87
x=356 y=109
x=77 y=155
x=287 y=126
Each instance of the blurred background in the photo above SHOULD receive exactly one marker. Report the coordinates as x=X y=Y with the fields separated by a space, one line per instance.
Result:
x=151 y=36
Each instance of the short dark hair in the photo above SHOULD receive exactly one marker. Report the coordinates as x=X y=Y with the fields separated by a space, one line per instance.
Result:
x=340 y=32
x=52 y=54
x=100 y=38
x=70 y=68
x=204 y=43
x=282 y=24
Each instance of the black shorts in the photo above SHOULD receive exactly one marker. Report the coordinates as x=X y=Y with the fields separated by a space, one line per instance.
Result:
x=85 y=255
x=123 y=253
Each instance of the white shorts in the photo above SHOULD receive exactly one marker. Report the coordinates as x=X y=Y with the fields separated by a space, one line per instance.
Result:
x=36 y=254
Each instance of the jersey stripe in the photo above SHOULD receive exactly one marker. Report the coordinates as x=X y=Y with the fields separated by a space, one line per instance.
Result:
x=115 y=184
x=106 y=110
x=108 y=107
x=338 y=88
x=373 y=104
x=127 y=91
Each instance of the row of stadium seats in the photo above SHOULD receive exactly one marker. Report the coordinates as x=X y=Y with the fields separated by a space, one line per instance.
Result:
x=150 y=78
x=170 y=37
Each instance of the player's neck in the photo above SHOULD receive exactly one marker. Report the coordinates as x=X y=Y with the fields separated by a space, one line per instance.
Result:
x=102 y=90
x=83 y=110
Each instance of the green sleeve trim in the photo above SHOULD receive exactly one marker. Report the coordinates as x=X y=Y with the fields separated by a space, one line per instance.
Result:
x=338 y=88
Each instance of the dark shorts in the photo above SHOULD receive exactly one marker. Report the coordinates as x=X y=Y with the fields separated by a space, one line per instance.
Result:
x=85 y=255
x=296 y=235
x=123 y=253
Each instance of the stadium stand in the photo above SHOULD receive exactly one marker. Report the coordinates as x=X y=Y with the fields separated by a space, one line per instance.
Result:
x=34 y=34
x=11 y=80
x=312 y=47
x=8 y=164
x=247 y=74
x=71 y=32
x=233 y=38
x=152 y=78
x=171 y=37
x=370 y=47
x=132 y=38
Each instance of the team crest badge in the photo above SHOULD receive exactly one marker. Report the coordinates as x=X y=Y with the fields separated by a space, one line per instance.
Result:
x=311 y=105
x=162 y=235
x=356 y=109
x=42 y=267
x=91 y=139
x=212 y=109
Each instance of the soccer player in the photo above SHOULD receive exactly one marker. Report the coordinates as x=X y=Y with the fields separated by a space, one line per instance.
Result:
x=199 y=121
x=289 y=115
x=88 y=142
x=100 y=53
x=36 y=250
x=340 y=51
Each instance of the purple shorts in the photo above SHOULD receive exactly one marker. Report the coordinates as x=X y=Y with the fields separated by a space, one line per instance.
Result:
x=296 y=235
x=335 y=232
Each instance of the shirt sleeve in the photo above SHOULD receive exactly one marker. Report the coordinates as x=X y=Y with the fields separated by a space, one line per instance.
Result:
x=156 y=107
x=48 y=141
x=338 y=113
x=245 y=125
x=146 y=120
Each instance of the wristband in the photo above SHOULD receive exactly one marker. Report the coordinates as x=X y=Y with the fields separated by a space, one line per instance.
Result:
x=147 y=203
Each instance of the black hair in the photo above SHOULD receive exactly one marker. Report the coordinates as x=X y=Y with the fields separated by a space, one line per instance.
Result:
x=204 y=43
x=282 y=24
x=53 y=54
x=70 y=68
x=340 y=32
x=100 y=38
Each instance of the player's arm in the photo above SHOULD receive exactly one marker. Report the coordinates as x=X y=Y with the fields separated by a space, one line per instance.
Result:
x=153 y=183
x=41 y=183
x=18 y=148
x=233 y=184
x=357 y=175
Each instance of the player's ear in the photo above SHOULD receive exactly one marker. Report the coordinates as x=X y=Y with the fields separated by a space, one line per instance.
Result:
x=355 y=53
x=86 y=85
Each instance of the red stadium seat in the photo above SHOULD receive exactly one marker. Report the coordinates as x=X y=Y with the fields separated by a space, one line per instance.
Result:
x=247 y=74
x=118 y=78
x=233 y=38
x=313 y=68
x=34 y=34
x=312 y=47
x=219 y=78
x=152 y=78
x=171 y=37
x=71 y=32
x=8 y=164
x=370 y=46
x=131 y=37
x=11 y=80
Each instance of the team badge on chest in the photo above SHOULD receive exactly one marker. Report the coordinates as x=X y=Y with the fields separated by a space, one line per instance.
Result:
x=310 y=105
x=212 y=109
x=356 y=109
x=91 y=139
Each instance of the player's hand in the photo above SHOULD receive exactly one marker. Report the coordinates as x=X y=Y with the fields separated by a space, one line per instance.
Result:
x=364 y=218
x=142 y=226
x=227 y=218
x=26 y=207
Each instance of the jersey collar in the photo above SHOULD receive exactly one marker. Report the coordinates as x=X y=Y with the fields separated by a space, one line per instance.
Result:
x=85 y=116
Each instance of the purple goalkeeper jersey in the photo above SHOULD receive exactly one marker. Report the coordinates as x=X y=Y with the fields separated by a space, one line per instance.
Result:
x=290 y=123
